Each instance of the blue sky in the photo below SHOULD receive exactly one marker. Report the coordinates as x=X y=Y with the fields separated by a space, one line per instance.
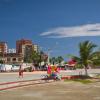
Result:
x=57 y=24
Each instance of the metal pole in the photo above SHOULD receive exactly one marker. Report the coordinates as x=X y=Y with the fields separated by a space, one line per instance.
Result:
x=49 y=50
x=48 y=56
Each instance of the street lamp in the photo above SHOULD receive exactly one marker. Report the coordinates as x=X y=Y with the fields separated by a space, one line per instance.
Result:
x=49 y=50
x=48 y=60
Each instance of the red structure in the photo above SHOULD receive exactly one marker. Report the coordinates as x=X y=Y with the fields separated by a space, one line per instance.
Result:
x=20 y=44
x=71 y=64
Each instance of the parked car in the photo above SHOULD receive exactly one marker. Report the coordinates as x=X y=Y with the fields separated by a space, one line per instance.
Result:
x=15 y=68
x=5 y=67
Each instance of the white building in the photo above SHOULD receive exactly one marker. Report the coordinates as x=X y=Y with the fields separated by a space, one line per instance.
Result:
x=12 y=50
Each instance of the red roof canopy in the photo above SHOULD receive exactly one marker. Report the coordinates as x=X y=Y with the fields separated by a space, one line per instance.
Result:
x=71 y=62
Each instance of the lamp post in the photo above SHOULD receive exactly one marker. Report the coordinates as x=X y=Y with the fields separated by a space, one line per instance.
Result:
x=48 y=60
x=49 y=50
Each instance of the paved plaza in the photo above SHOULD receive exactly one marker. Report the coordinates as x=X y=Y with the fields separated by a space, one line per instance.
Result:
x=54 y=91
x=13 y=76
x=59 y=90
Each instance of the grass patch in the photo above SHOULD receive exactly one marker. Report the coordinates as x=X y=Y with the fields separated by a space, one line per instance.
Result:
x=98 y=76
x=84 y=81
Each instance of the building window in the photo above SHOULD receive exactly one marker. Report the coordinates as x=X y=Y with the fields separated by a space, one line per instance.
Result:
x=8 y=59
x=19 y=59
x=14 y=59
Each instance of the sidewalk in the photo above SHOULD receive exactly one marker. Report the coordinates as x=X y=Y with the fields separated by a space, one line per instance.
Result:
x=11 y=79
x=13 y=76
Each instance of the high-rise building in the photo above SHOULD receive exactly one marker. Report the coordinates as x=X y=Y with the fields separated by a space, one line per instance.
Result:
x=35 y=48
x=26 y=48
x=28 y=52
x=20 y=45
x=3 y=47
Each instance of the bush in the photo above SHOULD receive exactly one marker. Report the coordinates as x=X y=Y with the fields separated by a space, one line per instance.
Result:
x=29 y=69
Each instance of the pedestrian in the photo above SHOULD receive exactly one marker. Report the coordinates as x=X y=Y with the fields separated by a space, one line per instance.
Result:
x=21 y=71
x=49 y=70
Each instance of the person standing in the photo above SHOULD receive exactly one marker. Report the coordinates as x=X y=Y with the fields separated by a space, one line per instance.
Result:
x=49 y=70
x=21 y=71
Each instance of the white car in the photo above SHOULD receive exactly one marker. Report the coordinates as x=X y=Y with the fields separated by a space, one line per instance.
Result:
x=5 y=67
x=15 y=68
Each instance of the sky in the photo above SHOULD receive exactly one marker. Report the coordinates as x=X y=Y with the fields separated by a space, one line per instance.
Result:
x=58 y=25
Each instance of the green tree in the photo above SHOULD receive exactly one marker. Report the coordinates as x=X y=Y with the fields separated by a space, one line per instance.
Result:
x=28 y=59
x=27 y=54
x=42 y=58
x=1 y=61
x=35 y=57
x=56 y=60
x=59 y=59
x=96 y=58
x=38 y=57
x=87 y=55
x=53 y=60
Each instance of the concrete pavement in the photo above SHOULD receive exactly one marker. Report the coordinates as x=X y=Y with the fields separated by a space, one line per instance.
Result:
x=13 y=76
x=79 y=71
x=12 y=80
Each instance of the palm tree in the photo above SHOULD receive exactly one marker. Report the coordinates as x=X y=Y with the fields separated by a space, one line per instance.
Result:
x=35 y=57
x=53 y=60
x=96 y=58
x=87 y=55
x=59 y=59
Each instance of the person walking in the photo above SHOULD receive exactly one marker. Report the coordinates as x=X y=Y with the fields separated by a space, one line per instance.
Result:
x=21 y=71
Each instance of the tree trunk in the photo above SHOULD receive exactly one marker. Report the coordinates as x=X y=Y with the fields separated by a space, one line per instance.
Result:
x=86 y=73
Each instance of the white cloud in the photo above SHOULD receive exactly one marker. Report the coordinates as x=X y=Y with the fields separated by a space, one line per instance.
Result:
x=74 y=31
